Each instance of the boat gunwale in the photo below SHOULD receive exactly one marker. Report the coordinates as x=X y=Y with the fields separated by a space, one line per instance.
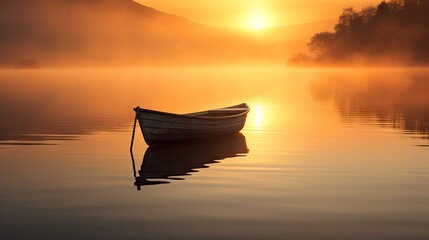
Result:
x=188 y=116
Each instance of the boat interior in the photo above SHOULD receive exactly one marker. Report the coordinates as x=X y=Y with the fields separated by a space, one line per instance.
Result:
x=221 y=112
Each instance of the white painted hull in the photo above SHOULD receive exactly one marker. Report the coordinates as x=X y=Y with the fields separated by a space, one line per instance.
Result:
x=160 y=127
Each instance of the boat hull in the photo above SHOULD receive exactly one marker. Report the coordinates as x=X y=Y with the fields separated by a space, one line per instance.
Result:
x=160 y=127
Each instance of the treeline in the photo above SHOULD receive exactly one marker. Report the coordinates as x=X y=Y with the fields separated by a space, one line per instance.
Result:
x=395 y=31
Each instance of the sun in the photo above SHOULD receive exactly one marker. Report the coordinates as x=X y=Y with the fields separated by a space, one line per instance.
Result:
x=257 y=23
x=257 y=19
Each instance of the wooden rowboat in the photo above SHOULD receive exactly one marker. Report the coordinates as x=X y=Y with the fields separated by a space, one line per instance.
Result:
x=162 y=127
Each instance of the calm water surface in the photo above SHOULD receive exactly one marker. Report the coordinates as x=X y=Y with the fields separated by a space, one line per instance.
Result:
x=325 y=154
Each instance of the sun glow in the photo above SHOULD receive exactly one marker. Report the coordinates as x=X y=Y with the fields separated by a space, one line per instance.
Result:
x=257 y=19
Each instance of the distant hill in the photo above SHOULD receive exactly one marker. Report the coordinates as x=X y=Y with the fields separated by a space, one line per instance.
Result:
x=59 y=33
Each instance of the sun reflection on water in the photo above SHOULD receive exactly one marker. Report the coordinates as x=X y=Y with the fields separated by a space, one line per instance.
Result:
x=255 y=119
x=258 y=116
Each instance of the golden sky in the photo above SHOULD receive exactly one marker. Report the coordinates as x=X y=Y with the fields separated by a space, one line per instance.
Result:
x=255 y=14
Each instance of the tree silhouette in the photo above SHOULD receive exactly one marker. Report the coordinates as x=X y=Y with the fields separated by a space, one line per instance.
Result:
x=393 y=29
x=321 y=42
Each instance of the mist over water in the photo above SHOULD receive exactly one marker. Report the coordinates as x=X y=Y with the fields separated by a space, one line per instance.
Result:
x=100 y=33
x=325 y=153
x=106 y=33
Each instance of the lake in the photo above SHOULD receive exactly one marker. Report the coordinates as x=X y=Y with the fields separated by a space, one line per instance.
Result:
x=324 y=154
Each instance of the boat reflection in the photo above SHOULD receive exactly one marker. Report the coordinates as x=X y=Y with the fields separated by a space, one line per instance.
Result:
x=168 y=162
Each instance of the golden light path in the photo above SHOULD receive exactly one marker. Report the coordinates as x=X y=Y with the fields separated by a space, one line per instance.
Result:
x=255 y=119
x=258 y=116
